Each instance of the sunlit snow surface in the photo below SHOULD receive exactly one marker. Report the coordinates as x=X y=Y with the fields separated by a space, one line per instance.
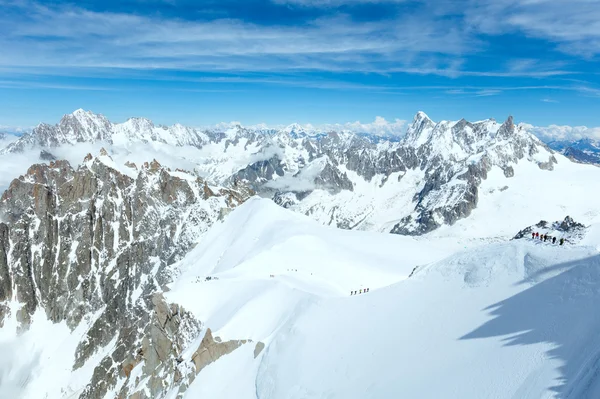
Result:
x=507 y=320
x=514 y=319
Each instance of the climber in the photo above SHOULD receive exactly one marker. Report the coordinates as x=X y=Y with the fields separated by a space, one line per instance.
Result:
x=562 y=241
x=553 y=240
x=545 y=237
x=537 y=235
x=532 y=235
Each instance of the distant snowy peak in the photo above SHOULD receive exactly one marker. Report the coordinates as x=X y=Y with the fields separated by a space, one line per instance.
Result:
x=424 y=131
x=418 y=130
x=85 y=126
x=585 y=150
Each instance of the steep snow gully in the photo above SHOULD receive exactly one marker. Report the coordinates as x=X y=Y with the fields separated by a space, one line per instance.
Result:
x=516 y=319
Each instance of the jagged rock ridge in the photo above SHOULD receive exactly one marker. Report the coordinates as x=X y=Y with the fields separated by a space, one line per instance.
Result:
x=567 y=228
x=92 y=245
x=334 y=176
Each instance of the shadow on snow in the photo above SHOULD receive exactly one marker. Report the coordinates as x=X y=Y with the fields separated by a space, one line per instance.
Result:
x=563 y=310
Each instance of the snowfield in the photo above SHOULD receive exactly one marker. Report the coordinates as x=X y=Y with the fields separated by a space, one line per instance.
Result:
x=444 y=317
x=515 y=319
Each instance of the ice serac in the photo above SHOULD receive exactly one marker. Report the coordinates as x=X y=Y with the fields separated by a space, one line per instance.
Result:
x=77 y=242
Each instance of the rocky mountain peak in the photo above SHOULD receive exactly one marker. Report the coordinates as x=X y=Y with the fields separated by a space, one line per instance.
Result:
x=92 y=248
x=419 y=130
x=508 y=128
x=420 y=116
x=139 y=123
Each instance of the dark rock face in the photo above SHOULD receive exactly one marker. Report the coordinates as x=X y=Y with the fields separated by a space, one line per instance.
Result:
x=568 y=224
x=93 y=241
x=584 y=150
x=260 y=172
x=332 y=179
x=581 y=156
x=5 y=275
x=285 y=200
x=509 y=171
x=567 y=228
x=46 y=156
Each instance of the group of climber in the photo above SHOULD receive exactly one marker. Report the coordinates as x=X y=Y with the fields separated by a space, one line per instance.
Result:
x=546 y=237
x=361 y=291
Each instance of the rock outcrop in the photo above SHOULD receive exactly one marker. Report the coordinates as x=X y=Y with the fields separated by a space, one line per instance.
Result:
x=93 y=245
x=567 y=228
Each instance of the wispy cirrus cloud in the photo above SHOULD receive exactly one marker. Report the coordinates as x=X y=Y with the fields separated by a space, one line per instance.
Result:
x=334 y=3
x=23 y=84
x=69 y=36
x=55 y=35
x=572 y=25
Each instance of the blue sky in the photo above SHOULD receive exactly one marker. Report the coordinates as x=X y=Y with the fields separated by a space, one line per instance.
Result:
x=283 y=61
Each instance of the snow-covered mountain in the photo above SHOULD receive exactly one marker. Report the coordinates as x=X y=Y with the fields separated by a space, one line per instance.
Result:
x=430 y=178
x=124 y=277
x=85 y=126
x=86 y=251
x=584 y=150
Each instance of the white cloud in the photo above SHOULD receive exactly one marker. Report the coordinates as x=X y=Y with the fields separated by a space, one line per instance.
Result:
x=379 y=127
x=563 y=133
x=52 y=36
x=13 y=130
x=487 y=93
x=14 y=165
x=424 y=40
x=333 y=3
x=573 y=24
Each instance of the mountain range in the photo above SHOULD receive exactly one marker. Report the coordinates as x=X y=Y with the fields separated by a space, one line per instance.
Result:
x=122 y=275
x=413 y=185
x=584 y=150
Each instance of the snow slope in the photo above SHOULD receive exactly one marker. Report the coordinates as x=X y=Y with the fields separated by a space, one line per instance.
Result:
x=39 y=362
x=508 y=204
x=507 y=320
x=307 y=260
